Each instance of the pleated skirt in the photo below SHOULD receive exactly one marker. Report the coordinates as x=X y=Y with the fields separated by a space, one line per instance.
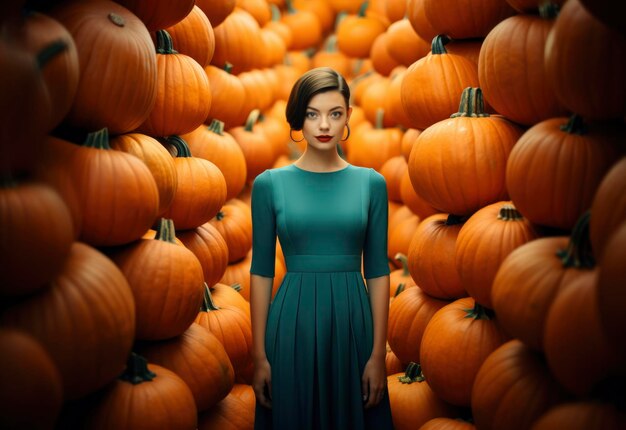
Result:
x=318 y=339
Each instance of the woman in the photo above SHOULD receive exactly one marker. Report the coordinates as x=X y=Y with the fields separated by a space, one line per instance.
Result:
x=319 y=346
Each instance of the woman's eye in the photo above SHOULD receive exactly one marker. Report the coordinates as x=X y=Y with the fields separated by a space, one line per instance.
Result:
x=311 y=114
x=336 y=114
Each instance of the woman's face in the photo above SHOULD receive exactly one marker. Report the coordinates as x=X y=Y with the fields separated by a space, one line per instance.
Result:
x=325 y=120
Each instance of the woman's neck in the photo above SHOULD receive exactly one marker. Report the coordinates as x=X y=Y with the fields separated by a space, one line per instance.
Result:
x=326 y=161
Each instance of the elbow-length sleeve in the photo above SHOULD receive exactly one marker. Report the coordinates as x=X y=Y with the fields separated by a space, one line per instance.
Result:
x=263 y=227
x=375 y=261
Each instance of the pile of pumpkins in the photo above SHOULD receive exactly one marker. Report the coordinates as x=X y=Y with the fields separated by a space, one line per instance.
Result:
x=135 y=128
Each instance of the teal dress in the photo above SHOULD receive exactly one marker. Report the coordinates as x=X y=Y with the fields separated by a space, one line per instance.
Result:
x=332 y=228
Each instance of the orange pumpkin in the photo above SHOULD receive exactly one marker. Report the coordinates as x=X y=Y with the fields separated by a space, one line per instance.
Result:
x=459 y=165
x=210 y=248
x=608 y=208
x=607 y=48
x=30 y=380
x=533 y=275
x=577 y=350
x=40 y=34
x=258 y=153
x=432 y=86
x=231 y=326
x=199 y=358
x=232 y=413
x=298 y=19
x=372 y=144
x=511 y=376
x=409 y=314
x=234 y=223
x=166 y=303
x=157 y=15
x=201 y=190
x=116 y=192
x=194 y=36
x=225 y=87
x=404 y=44
x=577 y=155
x=484 y=241
x=431 y=256
x=382 y=61
x=212 y=143
x=158 y=160
x=183 y=92
x=416 y=14
x=37 y=235
x=413 y=402
x=237 y=41
x=216 y=10
x=512 y=76
x=455 y=344
x=393 y=170
x=466 y=19
x=89 y=294
x=356 y=33
x=118 y=68
x=129 y=401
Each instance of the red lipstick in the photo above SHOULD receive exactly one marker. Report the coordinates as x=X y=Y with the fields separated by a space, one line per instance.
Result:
x=323 y=138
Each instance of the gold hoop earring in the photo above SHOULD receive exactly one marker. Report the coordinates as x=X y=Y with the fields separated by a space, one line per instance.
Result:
x=291 y=137
x=346 y=138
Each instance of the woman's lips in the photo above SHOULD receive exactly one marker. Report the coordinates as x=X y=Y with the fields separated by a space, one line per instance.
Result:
x=323 y=138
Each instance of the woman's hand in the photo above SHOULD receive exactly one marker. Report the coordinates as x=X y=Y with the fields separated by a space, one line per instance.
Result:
x=373 y=382
x=262 y=382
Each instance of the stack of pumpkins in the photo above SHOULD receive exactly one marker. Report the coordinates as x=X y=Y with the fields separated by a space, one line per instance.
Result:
x=138 y=127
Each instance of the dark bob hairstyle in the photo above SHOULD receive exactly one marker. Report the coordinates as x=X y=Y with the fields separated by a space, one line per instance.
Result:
x=313 y=82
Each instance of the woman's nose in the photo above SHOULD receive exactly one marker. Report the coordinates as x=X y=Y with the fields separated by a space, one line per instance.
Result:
x=324 y=124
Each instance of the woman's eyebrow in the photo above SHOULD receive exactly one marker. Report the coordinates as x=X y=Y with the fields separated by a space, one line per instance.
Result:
x=317 y=110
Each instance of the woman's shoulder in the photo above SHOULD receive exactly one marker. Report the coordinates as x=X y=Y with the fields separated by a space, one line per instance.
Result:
x=374 y=177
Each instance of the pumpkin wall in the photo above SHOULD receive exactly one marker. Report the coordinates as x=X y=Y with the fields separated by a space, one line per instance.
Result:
x=136 y=128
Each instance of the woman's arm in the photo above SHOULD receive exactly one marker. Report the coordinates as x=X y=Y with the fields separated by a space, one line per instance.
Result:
x=374 y=380
x=260 y=296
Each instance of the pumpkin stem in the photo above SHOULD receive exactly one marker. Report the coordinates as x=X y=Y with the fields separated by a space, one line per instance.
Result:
x=164 y=43
x=165 y=231
x=290 y=8
x=402 y=258
x=575 y=125
x=357 y=66
x=116 y=19
x=219 y=216
x=216 y=127
x=49 y=52
x=340 y=17
x=137 y=370
x=548 y=10
x=331 y=43
x=98 y=139
x=228 y=68
x=275 y=12
x=472 y=104
x=455 y=219
x=380 y=116
x=340 y=151
x=413 y=373
x=401 y=288
x=479 y=312
x=578 y=252
x=252 y=119
x=508 y=212
x=182 y=149
x=207 y=304
x=437 y=46
x=363 y=9
x=236 y=287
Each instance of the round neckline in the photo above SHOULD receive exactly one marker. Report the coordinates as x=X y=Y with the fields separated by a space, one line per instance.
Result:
x=321 y=173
